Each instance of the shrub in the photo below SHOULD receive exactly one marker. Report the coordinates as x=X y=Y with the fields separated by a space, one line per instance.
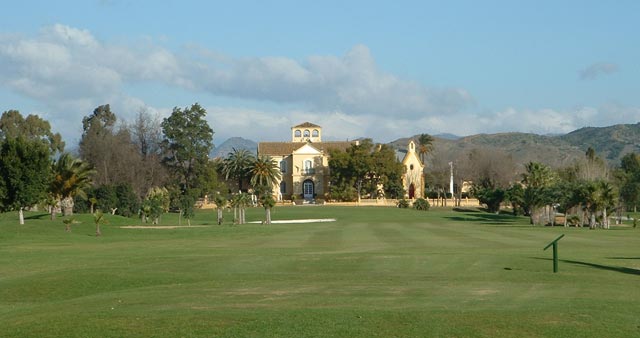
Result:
x=421 y=204
x=491 y=197
x=403 y=204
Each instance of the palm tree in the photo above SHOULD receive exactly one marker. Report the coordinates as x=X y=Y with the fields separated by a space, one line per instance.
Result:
x=537 y=179
x=606 y=200
x=220 y=203
x=425 y=145
x=264 y=173
x=239 y=202
x=71 y=176
x=267 y=202
x=98 y=219
x=591 y=200
x=237 y=164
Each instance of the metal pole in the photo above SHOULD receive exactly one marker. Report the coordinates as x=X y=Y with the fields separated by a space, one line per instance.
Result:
x=451 y=181
x=555 y=257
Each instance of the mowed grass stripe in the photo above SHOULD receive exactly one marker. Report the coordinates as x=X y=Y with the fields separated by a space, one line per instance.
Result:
x=375 y=272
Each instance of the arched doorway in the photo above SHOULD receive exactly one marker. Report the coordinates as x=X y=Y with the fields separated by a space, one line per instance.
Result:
x=412 y=191
x=307 y=189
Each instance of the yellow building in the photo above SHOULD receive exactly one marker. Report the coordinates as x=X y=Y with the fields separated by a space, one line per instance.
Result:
x=304 y=164
x=413 y=180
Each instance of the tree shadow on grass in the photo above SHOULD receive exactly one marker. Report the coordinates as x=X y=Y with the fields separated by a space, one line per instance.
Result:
x=38 y=216
x=483 y=218
x=620 y=269
x=457 y=209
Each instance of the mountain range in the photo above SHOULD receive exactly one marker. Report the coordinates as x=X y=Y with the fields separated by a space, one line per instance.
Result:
x=610 y=143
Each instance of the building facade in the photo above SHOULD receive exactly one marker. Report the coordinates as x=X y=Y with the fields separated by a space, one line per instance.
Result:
x=304 y=164
x=413 y=180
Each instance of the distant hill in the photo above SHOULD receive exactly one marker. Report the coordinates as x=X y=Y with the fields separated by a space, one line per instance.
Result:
x=610 y=143
x=233 y=143
x=447 y=136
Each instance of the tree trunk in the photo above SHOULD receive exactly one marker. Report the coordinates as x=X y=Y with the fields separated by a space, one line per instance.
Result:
x=21 y=216
x=98 y=232
x=566 y=223
x=531 y=220
x=592 y=221
x=605 y=220
x=67 y=206
x=267 y=215
x=219 y=216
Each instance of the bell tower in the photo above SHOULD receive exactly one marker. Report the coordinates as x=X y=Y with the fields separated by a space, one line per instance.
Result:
x=306 y=132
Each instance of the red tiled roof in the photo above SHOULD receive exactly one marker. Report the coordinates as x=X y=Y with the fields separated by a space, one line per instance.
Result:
x=287 y=148
x=306 y=125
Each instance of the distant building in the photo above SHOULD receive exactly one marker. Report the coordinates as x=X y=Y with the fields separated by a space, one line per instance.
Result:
x=304 y=164
x=413 y=180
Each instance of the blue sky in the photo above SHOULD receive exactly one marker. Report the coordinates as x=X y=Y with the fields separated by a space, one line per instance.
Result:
x=358 y=68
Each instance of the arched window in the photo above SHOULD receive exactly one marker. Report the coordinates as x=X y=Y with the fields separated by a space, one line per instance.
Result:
x=315 y=133
x=306 y=133
x=283 y=166
x=411 y=167
x=298 y=133
x=308 y=167
x=283 y=187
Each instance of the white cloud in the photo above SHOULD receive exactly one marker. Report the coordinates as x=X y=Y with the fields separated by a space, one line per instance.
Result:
x=69 y=72
x=68 y=69
x=597 y=70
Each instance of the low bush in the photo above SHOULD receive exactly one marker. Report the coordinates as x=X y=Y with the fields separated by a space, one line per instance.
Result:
x=421 y=204
x=403 y=204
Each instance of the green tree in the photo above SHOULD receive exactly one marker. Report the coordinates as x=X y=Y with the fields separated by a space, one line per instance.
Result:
x=237 y=166
x=629 y=180
x=365 y=167
x=71 y=177
x=388 y=172
x=187 y=211
x=491 y=197
x=515 y=195
x=24 y=174
x=31 y=128
x=186 y=146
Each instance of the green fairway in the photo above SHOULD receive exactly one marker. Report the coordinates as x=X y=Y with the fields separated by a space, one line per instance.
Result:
x=375 y=272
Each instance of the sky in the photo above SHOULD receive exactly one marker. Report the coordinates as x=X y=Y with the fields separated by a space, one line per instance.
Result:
x=382 y=70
